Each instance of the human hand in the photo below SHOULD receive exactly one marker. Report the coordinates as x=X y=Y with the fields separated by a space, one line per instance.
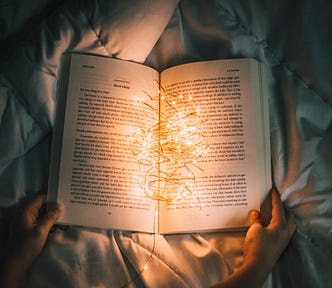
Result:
x=27 y=238
x=263 y=245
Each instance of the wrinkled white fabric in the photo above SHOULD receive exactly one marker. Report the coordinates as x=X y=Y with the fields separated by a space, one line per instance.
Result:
x=292 y=38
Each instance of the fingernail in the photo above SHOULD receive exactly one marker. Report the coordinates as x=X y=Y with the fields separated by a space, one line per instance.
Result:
x=57 y=207
x=253 y=213
x=60 y=207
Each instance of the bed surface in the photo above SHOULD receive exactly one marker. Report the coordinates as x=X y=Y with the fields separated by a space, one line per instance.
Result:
x=293 y=39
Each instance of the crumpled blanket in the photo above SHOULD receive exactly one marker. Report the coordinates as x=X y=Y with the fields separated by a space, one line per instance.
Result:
x=292 y=39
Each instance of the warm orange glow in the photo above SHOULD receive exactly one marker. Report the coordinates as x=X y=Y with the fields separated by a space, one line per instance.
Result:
x=170 y=148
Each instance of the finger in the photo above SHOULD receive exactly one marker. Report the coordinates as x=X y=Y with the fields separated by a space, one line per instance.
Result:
x=35 y=202
x=53 y=212
x=278 y=211
x=255 y=217
x=31 y=210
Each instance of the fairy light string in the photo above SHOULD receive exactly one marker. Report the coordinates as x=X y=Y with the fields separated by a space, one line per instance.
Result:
x=149 y=258
x=169 y=150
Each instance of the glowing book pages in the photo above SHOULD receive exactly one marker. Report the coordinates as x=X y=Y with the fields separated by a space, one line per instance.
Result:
x=168 y=152
x=200 y=144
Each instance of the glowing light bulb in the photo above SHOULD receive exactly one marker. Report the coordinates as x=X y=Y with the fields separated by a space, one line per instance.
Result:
x=188 y=142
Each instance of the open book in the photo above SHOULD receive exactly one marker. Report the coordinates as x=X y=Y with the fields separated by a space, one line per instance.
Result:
x=95 y=174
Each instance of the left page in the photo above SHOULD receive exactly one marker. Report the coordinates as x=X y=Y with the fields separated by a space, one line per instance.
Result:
x=93 y=171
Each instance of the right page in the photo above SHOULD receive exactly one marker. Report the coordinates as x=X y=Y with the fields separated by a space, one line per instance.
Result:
x=233 y=174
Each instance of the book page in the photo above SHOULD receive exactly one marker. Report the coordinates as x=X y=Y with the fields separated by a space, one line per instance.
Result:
x=232 y=174
x=98 y=176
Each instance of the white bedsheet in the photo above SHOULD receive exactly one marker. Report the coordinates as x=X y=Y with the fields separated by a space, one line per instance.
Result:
x=292 y=38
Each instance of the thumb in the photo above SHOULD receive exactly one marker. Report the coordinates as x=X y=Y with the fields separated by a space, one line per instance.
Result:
x=53 y=212
x=255 y=217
